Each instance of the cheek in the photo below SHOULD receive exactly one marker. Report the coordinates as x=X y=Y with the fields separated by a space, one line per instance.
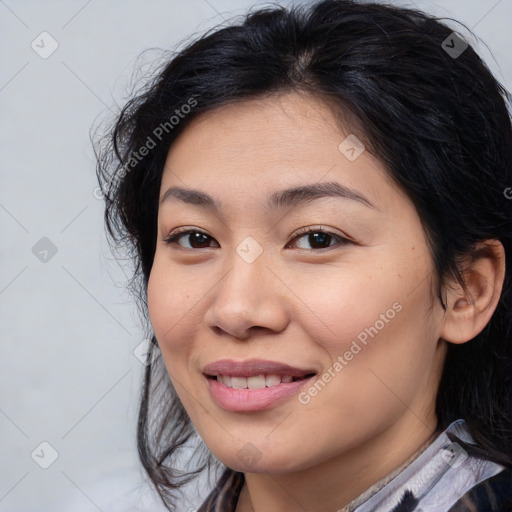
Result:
x=350 y=306
x=175 y=307
x=374 y=320
x=167 y=304
x=157 y=300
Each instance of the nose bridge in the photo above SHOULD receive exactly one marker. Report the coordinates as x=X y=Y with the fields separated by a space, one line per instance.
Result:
x=248 y=266
x=246 y=297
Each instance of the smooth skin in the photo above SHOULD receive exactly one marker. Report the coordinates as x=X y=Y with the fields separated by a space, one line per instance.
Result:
x=303 y=301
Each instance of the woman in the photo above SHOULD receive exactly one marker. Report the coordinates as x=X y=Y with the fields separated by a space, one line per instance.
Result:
x=316 y=203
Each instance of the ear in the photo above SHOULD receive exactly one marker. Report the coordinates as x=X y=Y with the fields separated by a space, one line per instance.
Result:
x=469 y=312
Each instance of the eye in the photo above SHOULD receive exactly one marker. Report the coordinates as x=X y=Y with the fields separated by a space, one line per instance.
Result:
x=193 y=235
x=314 y=235
x=317 y=236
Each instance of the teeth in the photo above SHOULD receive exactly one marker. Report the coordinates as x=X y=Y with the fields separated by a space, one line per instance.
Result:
x=272 y=380
x=226 y=380
x=255 y=382
x=238 y=382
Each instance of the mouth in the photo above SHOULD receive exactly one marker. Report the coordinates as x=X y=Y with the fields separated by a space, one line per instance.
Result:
x=257 y=381
x=253 y=385
x=254 y=373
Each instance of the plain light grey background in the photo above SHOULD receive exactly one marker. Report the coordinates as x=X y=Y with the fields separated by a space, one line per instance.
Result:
x=68 y=373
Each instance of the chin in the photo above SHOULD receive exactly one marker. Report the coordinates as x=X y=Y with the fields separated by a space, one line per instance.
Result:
x=249 y=459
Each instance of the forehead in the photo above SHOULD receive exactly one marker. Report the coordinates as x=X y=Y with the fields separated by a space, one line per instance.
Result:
x=252 y=148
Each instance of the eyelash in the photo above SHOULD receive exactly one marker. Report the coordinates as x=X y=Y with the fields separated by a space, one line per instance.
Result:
x=342 y=241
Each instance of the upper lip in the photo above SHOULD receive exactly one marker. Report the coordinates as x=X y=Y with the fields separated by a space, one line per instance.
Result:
x=252 y=367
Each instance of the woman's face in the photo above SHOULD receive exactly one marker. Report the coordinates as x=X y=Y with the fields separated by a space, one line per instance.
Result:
x=351 y=306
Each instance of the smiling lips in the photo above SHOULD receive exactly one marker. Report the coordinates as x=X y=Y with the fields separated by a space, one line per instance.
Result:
x=253 y=368
x=254 y=384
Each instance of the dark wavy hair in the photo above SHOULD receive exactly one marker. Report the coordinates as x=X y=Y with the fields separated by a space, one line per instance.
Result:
x=438 y=121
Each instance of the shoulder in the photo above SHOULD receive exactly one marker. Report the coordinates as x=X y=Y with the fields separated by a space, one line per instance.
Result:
x=491 y=495
x=451 y=475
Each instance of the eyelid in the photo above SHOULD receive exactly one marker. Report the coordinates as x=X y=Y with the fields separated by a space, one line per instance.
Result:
x=320 y=228
x=174 y=235
x=316 y=228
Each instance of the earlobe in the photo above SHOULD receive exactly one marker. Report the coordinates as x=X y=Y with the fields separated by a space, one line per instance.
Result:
x=469 y=311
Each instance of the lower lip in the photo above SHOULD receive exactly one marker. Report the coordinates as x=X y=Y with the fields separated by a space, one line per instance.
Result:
x=244 y=400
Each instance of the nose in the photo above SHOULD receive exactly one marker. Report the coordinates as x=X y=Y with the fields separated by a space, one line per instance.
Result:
x=248 y=298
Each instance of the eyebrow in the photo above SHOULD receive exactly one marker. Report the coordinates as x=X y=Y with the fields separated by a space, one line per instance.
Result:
x=283 y=198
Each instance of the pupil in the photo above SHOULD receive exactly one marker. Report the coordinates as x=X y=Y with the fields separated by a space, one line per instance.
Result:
x=319 y=238
x=196 y=238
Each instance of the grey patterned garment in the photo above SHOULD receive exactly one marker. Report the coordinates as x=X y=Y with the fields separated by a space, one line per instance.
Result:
x=440 y=478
